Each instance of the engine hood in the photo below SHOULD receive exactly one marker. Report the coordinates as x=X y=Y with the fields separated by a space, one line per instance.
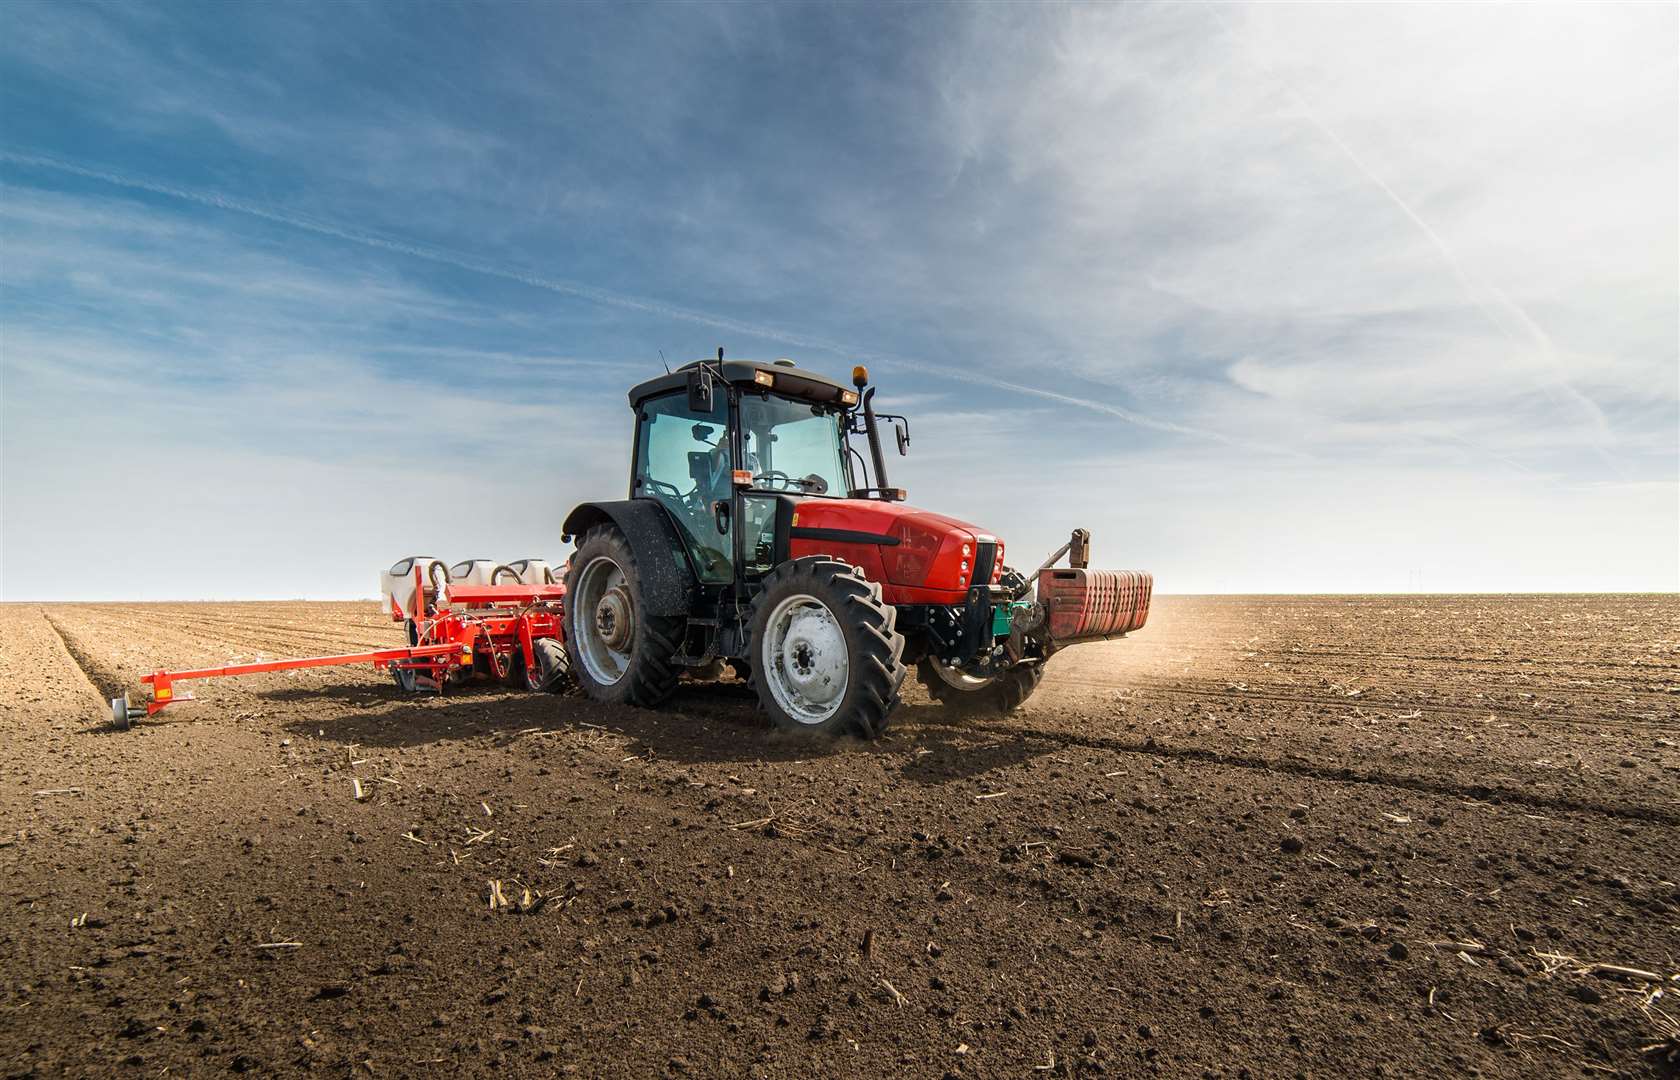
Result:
x=895 y=544
x=873 y=515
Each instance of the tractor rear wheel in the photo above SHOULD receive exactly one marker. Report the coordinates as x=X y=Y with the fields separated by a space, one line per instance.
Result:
x=956 y=689
x=618 y=652
x=826 y=655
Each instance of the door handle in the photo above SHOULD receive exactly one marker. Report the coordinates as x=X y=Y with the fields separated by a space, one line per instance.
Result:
x=720 y=513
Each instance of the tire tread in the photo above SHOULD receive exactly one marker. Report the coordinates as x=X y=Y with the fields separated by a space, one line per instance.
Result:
x=1008 y=692
x=651 y=677
x=879 y=671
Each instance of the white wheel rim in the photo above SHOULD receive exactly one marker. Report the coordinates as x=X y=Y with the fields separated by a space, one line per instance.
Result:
x=804 y=659
x=952 y=675
x=603 y=620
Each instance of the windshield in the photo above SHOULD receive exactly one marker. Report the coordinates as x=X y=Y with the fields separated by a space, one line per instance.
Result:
x=792 y=446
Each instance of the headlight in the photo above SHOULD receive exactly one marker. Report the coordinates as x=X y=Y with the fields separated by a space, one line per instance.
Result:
x=910 y=562
x=927 y=555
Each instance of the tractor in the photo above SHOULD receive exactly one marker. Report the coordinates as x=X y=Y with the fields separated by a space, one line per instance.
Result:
x=755 y=534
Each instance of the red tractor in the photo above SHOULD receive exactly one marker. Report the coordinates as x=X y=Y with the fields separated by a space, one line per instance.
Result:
x=750 y=537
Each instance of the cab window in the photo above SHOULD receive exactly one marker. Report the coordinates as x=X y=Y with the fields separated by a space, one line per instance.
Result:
x=683 y=460
x=793 y=446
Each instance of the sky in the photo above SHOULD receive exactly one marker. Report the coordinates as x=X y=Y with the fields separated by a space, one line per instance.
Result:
x=1270 y=298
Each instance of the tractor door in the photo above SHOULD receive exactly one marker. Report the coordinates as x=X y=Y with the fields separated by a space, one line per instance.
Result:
x=684 y=460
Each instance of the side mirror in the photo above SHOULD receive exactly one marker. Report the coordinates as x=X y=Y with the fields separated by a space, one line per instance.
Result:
x=902 y=432
x=700 y=391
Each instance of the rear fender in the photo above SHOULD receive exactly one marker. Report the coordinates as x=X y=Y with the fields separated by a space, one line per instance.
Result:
x=667 y=576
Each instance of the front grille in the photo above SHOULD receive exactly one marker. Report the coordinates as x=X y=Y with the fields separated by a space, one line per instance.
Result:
x=985 y=557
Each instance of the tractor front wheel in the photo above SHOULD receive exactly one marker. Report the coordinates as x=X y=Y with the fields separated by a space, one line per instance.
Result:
x=956 y=689
x=619 y=652
x=826 y=653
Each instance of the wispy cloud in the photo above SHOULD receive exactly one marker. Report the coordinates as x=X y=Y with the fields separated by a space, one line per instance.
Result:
x=779 y=335
x=1239 y=215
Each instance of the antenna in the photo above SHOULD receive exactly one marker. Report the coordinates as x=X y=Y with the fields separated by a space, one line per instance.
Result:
x=664 y=361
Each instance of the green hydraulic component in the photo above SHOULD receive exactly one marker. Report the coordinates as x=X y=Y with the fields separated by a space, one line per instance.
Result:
x=1003 y=615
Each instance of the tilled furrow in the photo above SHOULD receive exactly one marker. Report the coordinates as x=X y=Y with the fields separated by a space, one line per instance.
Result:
x=1664 y=812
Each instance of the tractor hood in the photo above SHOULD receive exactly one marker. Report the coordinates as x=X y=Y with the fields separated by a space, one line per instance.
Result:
x=878 y=516
x=898 y=544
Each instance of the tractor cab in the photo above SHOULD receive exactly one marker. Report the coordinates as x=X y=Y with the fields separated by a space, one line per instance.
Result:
x=756 y=533
x=732 y=448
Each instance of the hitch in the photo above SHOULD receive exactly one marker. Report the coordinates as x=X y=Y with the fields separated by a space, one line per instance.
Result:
x=1029 y=620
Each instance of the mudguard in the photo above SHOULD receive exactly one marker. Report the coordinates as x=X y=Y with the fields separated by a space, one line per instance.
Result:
x=667 y=577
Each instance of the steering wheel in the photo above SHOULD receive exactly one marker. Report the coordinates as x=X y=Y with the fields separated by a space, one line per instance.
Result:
x=775 y=474
x=690 y=506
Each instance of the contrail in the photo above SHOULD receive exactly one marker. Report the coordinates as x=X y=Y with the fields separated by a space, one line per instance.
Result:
x=1473 y=289
x=1096 y=406
x=218 y=201
x=432 y=254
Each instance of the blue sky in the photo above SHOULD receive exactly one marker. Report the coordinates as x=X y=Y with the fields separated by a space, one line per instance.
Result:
x=1281 y=298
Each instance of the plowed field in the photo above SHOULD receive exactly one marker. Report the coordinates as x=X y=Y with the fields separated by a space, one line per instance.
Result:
x=1265 y=836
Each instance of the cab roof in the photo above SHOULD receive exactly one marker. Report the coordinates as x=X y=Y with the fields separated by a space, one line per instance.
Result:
x=789 y=379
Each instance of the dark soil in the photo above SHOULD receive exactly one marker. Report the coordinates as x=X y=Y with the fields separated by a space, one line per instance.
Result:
x=1264 y=837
